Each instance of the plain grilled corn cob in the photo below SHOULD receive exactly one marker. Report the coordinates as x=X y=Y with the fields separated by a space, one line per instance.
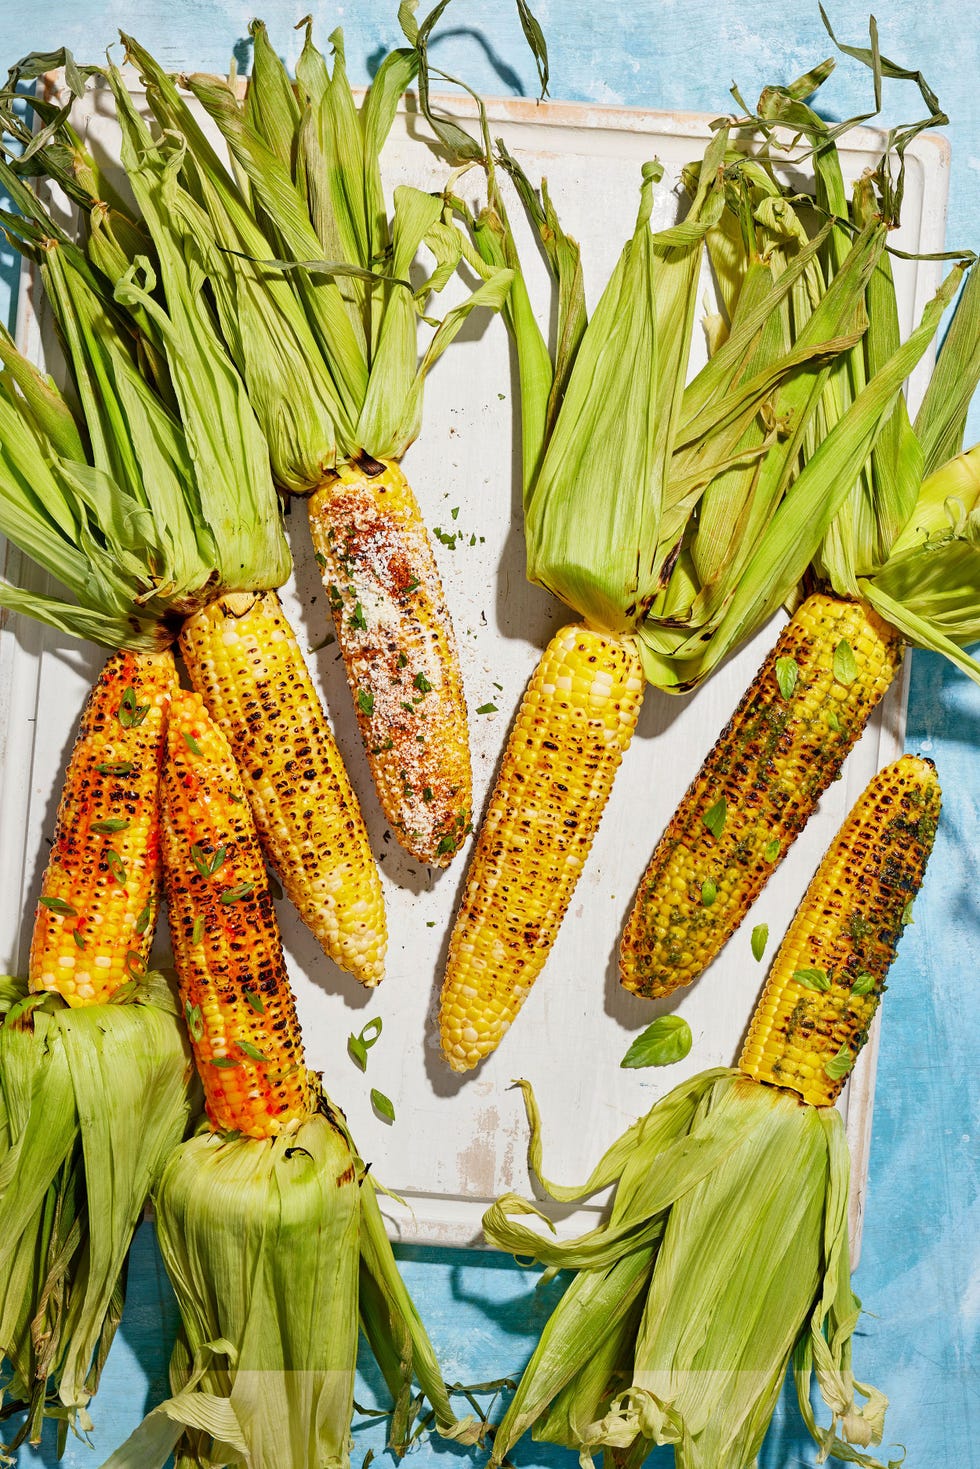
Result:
x=243 y=658
x=754 y=793
x=100 y=894
x=829 y=974
x=233 y=984
x=399 y=649
x=575 y=722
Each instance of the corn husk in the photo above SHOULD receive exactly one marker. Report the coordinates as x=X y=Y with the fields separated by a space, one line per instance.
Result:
x=92 y=1101
x=724 y=1256
x=868 y=482
x=275 y=1248
x=142 y=500
x=310 y=273
x=700 y=524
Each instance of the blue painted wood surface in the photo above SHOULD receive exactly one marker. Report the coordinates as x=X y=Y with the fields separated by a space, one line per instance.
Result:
x=920 y=1273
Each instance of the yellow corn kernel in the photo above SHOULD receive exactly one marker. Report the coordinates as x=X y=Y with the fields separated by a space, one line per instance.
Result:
x=100 y=894
x=395 y=634
x=575 y=722
x=233 y=985
x=829 y=974
x=756 y=790
x=243 y=658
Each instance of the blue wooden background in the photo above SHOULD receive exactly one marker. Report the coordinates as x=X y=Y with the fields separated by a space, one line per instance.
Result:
x=920 y=1272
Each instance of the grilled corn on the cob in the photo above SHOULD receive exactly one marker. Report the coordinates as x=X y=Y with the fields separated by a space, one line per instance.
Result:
x=754 y=793
x=828 y=976
x=243 y=658
x=97 y=912
x=726 y=1249
x=239 y=1007
x=575 y=723
x=399 y=649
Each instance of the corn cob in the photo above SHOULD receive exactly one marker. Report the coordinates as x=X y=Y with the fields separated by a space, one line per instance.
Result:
x=829 y=974
x=394 y=631
x=233 y=984
x=243 y=658
x=575 y=722
x=100 y=894
x=754 y=793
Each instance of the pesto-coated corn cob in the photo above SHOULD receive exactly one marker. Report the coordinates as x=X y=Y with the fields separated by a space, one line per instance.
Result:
x=575 y=722
x=233 y=984
x=756 y=790
x=243 y=658
x=100 y=894
x=829 y=974
x=394 y=631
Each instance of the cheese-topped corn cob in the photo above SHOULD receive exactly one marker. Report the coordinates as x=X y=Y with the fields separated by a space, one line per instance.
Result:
x=829 y=974
x=233 y=985
x=399 y=649
x=243 y=658
x=574 y=724
x=755 y=792
x=97 y=912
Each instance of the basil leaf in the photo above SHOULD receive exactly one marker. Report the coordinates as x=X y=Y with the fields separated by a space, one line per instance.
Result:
x=770 y=851
x=863 y=985
x=840 y=1064
x=665 y=1041
x=382 y=1104
x=787 y=676
x=845 y=664
x=811 y=979
x=709 y=892
x=760 y=937
x=714 y=818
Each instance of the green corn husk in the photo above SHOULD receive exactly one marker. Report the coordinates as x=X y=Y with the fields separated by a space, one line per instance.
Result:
x=725 y=1256
x=274 y=1248
x=92 y=1101
x=142 y=504
x=310 y=275
x=859 y=502
x=720 y=492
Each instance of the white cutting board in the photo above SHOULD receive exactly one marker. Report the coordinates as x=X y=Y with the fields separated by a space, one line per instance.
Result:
x=459 y=1141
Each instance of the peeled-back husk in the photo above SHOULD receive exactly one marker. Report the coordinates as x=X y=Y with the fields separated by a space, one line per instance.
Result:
x=92 y=1100
x=274 y=1247
x=725 y=1255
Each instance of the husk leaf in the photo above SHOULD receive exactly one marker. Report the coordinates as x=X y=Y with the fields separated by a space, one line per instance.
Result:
x=91 y=1103
x=686 y=1339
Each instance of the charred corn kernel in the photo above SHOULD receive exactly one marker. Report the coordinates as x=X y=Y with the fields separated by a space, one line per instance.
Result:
x=756 y=790
x=399 y=650
x=575 y=722
x=97 y=913
x=829 y=974
x=233 y=986
x=243 y=657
